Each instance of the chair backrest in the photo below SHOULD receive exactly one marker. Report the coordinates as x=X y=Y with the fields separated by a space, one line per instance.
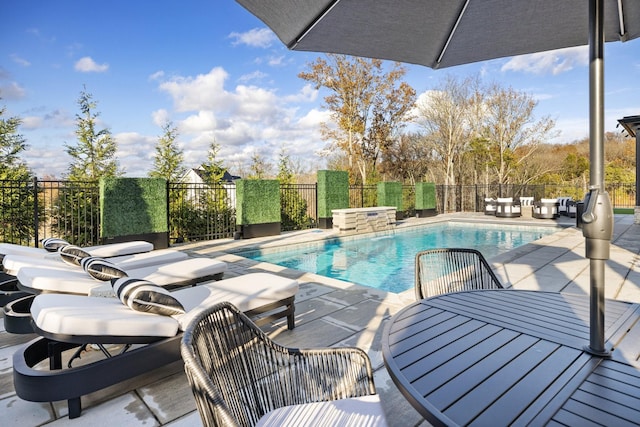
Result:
x=526 y=201
x=238 y=374
x=445 y=270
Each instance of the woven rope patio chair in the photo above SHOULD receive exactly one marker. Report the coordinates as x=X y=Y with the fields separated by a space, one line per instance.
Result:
x=240 y=377
x=440 y=271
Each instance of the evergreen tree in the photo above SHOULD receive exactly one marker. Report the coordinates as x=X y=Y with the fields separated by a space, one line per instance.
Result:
x=285 y=173
x=94 y=155
x=258 y=167
x=93 y=158
x=168 y=160
x=293 y=207
x=214 y=168
x=16 y=199
x=11 y=145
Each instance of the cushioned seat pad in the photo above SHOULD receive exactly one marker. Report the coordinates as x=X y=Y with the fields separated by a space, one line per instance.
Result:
x=110 y=250
x=13 y=263
x=37 y=279
x=91 y=316
x=356 y=411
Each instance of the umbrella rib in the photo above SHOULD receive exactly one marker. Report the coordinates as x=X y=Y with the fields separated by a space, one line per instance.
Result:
x=452 y=32
x=623 y=31
x=304 y=32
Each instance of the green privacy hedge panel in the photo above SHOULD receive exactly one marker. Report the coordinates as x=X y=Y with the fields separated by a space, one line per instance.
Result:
x=133 y=206
x=390 y=194
x=425 y=195
x=333 y=192
x=257 y=201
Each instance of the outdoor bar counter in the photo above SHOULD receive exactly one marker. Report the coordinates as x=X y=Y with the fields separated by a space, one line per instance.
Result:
x=510 y=357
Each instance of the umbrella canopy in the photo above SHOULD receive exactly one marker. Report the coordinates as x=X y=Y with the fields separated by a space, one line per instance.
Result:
x=440 y=34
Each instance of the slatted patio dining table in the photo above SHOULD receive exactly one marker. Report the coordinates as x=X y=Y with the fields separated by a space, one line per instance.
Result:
x=515 y=357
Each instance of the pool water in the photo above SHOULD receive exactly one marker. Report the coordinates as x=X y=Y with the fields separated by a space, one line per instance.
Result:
x=387 y=262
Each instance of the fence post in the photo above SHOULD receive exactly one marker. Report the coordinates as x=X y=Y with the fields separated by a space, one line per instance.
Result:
x=36 y=221
x=168 y=213
x=475 y=200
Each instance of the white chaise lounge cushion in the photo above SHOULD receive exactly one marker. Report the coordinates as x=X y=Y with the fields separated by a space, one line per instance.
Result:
x=79 y=282
x=117 y=249
x=91 y=316
x=13 y=263
x=363 y=411
x=105 y=251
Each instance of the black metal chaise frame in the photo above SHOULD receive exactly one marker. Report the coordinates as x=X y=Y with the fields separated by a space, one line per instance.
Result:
x=39 y=385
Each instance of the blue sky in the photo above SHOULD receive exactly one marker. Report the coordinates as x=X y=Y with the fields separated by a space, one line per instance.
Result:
x=218 y=73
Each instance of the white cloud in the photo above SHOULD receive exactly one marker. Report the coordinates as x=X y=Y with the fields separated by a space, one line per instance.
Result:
x=307 y=94
x=88 y=65
x=45 y=161
x=571 y=129
x=55 y=119
x=201 y=122
x=135 y=152
x=241 y=119
x=256 y=37
x=32 y=122
x=254 y=76
x=542 y=96
x=160 y=117
x=276 y=61
x=157 y=76
x=205 y=91
x=11 y=91
x=551 y=62
x=20 y=61
x=313 y=119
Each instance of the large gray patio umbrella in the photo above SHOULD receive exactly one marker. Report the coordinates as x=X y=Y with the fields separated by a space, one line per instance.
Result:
x=444 y=33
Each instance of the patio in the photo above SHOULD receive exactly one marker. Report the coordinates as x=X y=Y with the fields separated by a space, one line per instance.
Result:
x=331 y=312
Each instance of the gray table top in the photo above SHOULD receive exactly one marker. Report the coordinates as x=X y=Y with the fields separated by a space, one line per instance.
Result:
x=507 y=357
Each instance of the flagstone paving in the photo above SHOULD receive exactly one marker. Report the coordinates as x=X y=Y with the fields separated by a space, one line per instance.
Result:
x=329 y=313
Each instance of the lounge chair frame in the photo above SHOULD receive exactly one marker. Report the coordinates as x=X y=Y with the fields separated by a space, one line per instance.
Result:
x=9 y=289
x=38 y=385
x=445 y=270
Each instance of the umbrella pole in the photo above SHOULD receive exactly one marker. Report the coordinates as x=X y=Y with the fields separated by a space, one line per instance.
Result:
x=598 y=215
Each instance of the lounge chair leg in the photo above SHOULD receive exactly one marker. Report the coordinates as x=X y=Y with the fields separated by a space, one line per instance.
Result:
x=291 y=317
x=75 y=407
x=55 y=355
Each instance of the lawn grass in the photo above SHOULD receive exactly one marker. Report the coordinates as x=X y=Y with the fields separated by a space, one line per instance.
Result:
x=623 y=211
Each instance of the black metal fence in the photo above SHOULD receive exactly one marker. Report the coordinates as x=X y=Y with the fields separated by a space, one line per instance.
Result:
x=299 y=206
x=200 y=211
x=470 y=198
x=36 y=209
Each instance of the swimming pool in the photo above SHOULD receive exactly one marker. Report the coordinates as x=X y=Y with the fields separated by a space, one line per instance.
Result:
x=386 y=262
